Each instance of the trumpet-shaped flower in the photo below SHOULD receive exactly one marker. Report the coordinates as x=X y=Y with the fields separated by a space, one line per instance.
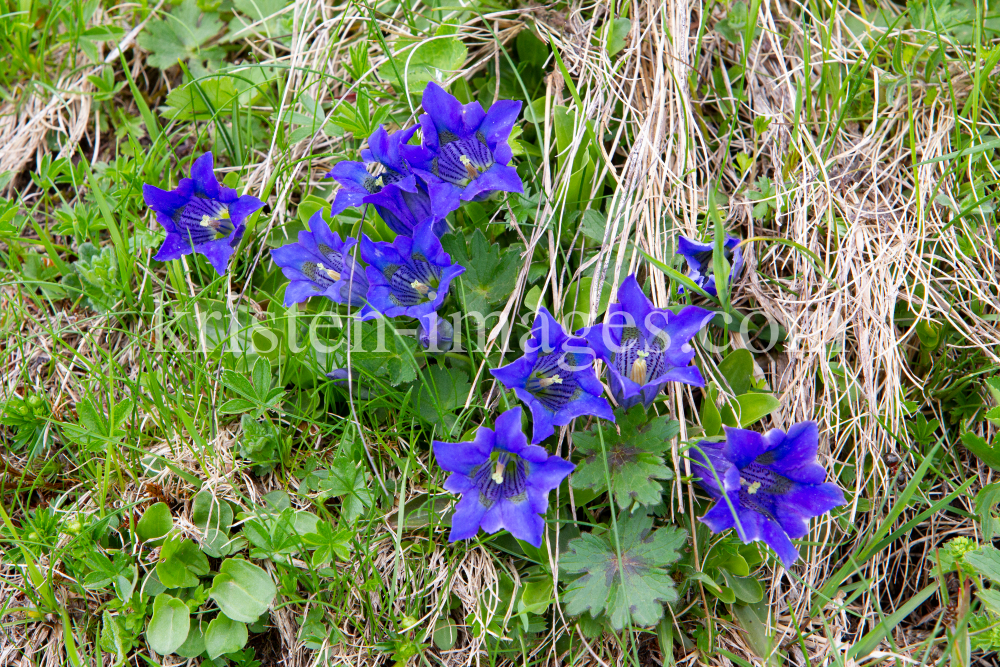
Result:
x=435 y=334
x=772 y=482
x=699 y=261
x=645 y=347
x=396 y=193
x=504 y=481
x=320 y=264
x=409 y=276
x=465 y=154
x=200 y=216
x=555 y=378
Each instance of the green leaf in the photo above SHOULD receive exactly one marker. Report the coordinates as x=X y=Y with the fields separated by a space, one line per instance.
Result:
x=430 y=60
x=711 y=419
x=242 y=590
x=239 y=383
x=224 y=635
x=169 y=626
x=194 y=645
x=443 y=391
x=594 y=224
x=634 y=595
x=986 y=452
x=986 y=561
x=752 y=408
x=531 y=49
x=181 y=36
x=155 y=522
x=181 y=563
x=395 y=359
x=259 y=19
x=261 y=376
x=986 y=501
x=347 y=479
x=991 y=598
x=737 y=368
x=236 y=406
x=617 y=35
x=207 y=512
x=490 y=275
x=747 y=589
x=445 y=634
x=634 y=460
x=200 y=100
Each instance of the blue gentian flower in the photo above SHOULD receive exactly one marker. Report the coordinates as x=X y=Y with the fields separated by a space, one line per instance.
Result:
x=399 y=197
x=465 y=154
x=320 y=264
x=504 y=481
x=772 y=481
x=645 y=347
x=409 y=276
x=699 y=261
x=555 y=377
x=200 y=216
x=435 y=334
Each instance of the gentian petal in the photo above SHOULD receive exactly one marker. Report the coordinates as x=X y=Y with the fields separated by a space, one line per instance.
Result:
x=522 y=522
x=203 y=175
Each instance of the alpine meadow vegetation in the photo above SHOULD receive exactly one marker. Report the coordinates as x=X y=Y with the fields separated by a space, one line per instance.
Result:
x=492 y=333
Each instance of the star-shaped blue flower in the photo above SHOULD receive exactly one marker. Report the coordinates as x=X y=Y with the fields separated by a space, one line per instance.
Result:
x=772 y=481
x=465 y=154
x=699 y=261
x=645 y=347
x=200 y=216
x=320 y=264
x=504 y=481
x=555 y=378
x=409 y=276
x=400 y=198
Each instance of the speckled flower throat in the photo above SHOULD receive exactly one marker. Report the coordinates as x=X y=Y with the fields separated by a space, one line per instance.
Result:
x=413 y=284
x=552 y=382
x=204 y=220
x=459 y=161
x=503 y=477
x=639 y=359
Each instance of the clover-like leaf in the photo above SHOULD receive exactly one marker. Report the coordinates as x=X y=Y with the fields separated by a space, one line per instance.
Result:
x=382 y=353
x=634 y=460
x=629 y=589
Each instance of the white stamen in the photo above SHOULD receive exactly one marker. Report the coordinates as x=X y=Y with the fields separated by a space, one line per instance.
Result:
x=546 y=382
x=469 y=168
x=497 y=475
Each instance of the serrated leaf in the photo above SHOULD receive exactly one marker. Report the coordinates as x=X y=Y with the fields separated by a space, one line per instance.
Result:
x=239 y=383
x=181 y=35
x=242 y=590
x=200 y=100
x=986 y=452
x=490 y=275
x=168 y=628
x=347 y=479
x=635 y=594
x=634 y=460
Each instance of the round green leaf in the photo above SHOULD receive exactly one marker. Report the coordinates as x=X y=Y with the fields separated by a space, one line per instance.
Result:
x=155 y=522
x=224 y=635
x=445 y=634
x=194 y=645
x=168 y=629
x=208 y=512
x=242 y=590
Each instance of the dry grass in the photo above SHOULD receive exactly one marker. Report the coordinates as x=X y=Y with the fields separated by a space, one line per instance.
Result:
x=874 y=220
